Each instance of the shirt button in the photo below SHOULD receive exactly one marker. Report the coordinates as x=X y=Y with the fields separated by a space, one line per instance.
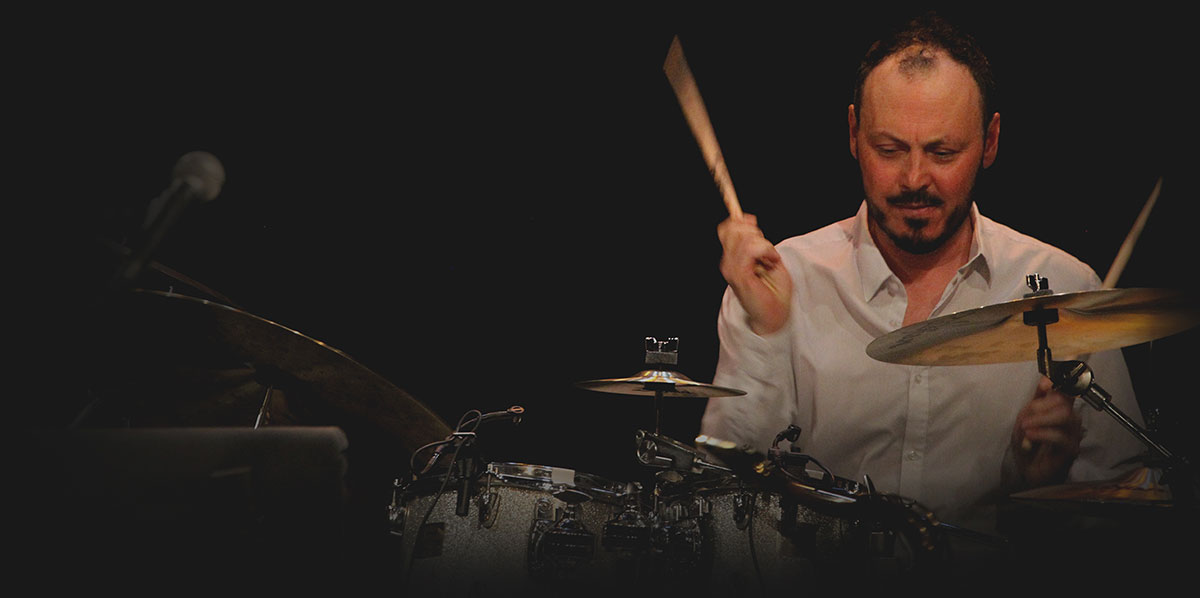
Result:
x=917 y=378
x=913 y=456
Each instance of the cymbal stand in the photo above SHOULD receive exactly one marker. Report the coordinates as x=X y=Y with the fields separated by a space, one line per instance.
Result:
x=1074 y=379
x=659 y=352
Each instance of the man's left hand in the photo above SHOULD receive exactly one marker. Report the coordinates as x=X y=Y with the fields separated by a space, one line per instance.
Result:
x=1046 y=436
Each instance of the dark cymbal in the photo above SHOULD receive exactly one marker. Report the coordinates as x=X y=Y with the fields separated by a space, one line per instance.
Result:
x=1088 y=321
x=172 y=359
x=658 y=383
x=1136 y=488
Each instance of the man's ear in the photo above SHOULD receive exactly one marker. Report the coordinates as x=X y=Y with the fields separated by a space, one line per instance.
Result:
x=991 y=140
x=852 y=120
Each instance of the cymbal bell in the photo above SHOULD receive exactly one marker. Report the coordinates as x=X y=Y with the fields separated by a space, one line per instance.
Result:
x=1088 y=321
x=658 y=383
x=176 y=360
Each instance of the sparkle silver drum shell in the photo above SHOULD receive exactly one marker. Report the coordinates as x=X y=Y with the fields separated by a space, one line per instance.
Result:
x=726 y=537
x=528 y=529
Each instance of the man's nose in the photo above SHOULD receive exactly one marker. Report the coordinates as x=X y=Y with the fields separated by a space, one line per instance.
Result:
x=916 y=172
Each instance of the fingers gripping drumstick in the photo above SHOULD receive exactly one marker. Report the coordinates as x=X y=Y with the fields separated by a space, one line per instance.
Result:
x=688 y=93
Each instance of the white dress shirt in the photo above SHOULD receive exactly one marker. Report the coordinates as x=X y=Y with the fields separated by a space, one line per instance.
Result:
x=935 y=434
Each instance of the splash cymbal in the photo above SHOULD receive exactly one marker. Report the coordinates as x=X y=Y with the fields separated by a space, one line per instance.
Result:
x=1088 y=321
x=658 y=383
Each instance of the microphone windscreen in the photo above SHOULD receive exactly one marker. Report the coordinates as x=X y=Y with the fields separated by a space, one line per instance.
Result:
x=202 y=172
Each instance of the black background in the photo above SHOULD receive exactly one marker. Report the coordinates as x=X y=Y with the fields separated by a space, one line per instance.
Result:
x=485 y=206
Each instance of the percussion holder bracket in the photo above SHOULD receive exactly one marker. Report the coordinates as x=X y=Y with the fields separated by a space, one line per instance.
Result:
x=656 y=450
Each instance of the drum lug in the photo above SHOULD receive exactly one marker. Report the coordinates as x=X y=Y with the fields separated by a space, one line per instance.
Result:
x=628 y=532
x=742 y=504
x=397 y=511
x=397 y=515
x=489 y=508
x=561 y=544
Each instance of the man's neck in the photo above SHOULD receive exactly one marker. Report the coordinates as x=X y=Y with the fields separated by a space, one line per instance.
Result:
x=915 y=267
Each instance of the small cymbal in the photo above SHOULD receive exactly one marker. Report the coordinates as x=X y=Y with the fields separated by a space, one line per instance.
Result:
x=178 y=360
x=1089 y=321
x=658 y=383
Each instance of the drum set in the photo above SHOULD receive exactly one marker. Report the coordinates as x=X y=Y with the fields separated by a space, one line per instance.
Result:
x=713 y=517
x=717 y=517
x=708 y=517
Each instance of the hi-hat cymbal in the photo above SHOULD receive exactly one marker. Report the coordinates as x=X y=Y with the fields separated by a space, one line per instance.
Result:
x=1088 y=321
x=658 y=383
x=176 y=360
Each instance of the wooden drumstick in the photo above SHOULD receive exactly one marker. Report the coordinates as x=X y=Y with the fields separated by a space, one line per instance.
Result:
x=1114 y=271
x=688 y=93
x=1118 y=265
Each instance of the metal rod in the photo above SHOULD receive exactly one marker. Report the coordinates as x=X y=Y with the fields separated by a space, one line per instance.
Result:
x=262 y=411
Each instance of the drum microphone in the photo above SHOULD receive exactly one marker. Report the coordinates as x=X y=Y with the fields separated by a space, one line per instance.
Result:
x=197 y=177
x=514 y=413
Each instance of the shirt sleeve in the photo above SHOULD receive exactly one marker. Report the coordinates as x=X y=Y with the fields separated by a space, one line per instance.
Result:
x=1108 y=449
x=761 y=367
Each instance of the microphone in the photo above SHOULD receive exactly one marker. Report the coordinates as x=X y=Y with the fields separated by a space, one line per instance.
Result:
x=514 y=413
x=196 y=178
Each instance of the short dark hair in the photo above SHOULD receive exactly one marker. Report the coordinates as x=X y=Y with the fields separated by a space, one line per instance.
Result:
x=934 y=31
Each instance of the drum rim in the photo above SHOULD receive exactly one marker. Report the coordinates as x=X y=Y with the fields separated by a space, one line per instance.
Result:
x=534 y=476
x=550 y=478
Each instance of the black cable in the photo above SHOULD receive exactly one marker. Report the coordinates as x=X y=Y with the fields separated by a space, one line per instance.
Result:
x=425 y=519
x=762 y=584
x=412 y=465
x=441 y=489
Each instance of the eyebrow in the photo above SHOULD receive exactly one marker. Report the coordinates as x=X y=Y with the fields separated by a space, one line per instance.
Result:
x=940 y=141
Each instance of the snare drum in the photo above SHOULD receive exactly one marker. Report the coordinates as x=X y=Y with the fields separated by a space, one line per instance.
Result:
x=528 y=528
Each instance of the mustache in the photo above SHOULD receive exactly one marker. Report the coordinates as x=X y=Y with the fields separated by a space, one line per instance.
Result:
x=919 y=198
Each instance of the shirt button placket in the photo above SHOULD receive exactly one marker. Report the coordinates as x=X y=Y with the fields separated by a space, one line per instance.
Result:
x=916 y=428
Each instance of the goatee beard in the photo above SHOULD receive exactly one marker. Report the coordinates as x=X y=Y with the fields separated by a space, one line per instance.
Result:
x=914 y=242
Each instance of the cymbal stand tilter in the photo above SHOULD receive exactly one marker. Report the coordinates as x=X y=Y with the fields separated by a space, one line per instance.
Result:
x=1074 y=379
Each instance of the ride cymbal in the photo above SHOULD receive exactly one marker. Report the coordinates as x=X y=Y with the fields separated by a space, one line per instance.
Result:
x=1088 y=321
x=176 y=360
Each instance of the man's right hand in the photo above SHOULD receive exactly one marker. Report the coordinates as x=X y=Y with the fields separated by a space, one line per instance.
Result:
x=754 y=269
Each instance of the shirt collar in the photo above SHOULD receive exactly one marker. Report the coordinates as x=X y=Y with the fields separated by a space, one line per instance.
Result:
x=874 y=272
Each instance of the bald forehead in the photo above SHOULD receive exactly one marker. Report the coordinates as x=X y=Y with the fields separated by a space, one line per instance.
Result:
x=938 y=77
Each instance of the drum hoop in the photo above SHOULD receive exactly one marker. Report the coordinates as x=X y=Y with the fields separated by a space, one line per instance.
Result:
x=550 y=478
